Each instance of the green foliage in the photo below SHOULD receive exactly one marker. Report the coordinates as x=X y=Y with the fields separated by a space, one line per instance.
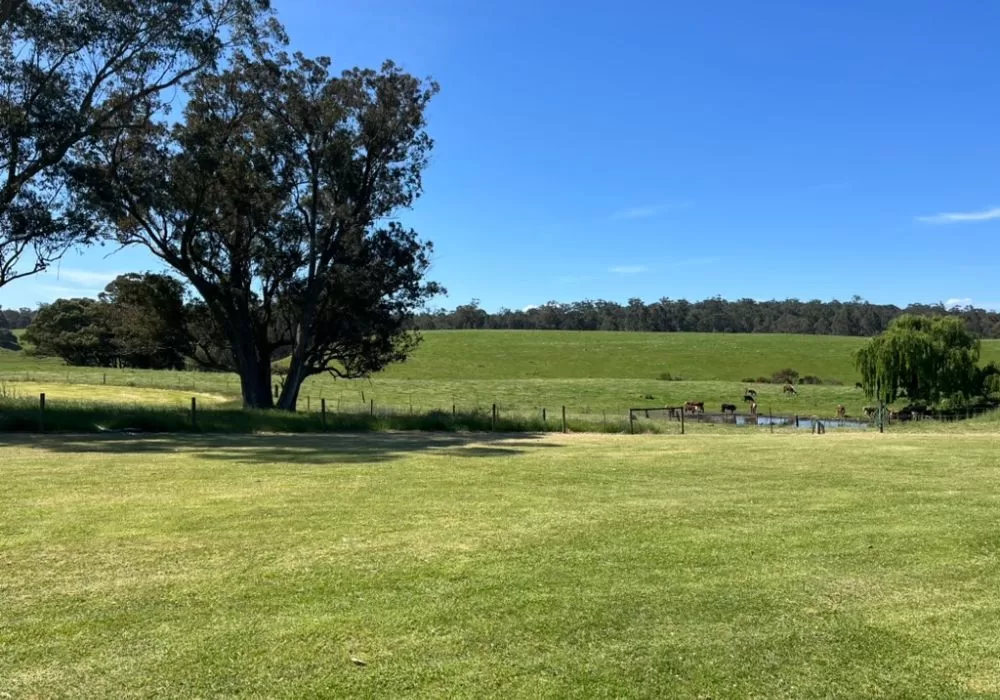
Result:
x=8 y=341
x=927 y=360
x=74 y=330
x=287 y=226
x=73 y=71
x=148 y=321
x=785 y=376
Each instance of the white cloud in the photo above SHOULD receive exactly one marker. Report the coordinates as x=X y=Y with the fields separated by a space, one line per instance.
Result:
x=961 y=217
x=529 y=307
x=57 y=290
x=79 y=278
x=628 y=269
x=637 y=213
x=648 y=211
x=962 y=302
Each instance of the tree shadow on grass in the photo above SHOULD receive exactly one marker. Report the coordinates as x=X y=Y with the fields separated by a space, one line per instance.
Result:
x=314 y=448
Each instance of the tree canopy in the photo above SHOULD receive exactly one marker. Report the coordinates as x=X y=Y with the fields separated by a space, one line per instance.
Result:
x=274 y=197
x=76 y=70
x=147 y=320
x=925 y=359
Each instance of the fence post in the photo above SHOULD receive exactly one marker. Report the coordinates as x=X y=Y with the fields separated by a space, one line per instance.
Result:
x=493 y=419
x=631 y=423
x=453 y=412
x=194 y=411
x=41 y=412
x=604 y=419
x=322 y=411
x=796 y=421
x=372 y=406
x=564 y=420
x=682 y=420
x=770 y=418
x=105 y=378
x=543 y=416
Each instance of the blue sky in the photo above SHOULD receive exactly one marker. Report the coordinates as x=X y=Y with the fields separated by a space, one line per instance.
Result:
x=640 y=148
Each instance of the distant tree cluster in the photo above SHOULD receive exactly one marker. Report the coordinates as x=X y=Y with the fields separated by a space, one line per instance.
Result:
x=138 y=321
x=853 y=318
x=8 y=341
x=17 y=319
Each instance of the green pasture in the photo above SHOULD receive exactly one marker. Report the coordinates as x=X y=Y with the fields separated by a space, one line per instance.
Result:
x=523 y=372
x=419 y=565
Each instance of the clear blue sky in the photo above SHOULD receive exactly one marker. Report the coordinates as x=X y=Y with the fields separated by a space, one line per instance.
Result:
x=641 y=148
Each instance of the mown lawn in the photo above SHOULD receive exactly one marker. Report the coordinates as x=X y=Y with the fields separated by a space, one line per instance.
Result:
x=750 y=565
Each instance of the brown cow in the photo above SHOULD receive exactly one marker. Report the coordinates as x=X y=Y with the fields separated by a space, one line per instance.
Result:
x=789 y=389
x=695 y=406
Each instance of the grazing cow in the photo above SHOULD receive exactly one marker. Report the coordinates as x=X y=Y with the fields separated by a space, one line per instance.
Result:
x=841 y=411
x=789 y=389
x=695 y=406
x=749 y=398
x=869 y=411
x=728 y=408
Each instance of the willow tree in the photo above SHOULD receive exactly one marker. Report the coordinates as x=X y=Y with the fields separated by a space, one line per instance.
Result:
x=926 y=359
x=275 y=196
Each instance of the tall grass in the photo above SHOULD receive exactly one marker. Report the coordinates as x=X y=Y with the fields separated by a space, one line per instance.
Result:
x=26 y=415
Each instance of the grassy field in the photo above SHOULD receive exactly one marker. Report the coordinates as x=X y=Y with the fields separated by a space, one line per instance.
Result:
x=848 y=565
x=590 y=373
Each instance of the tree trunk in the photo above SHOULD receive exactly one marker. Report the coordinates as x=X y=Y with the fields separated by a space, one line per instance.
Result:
x=293 y=384
x=255 y=377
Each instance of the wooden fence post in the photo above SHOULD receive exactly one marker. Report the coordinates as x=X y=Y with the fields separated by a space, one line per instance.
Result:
x=544 y=419
x=682 y=420
x=631 y=422
x=372 y=407
x=41 y=412
x=322 y=411
x=194 y=411
x=564 y=420
x=770 y=418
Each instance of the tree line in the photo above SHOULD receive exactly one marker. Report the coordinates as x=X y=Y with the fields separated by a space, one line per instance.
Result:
x=853 y=318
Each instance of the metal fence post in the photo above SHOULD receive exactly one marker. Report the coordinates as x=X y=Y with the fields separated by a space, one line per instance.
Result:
x=41 y=412
x=194 y=411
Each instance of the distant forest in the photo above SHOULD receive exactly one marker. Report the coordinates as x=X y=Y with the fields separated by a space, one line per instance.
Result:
x=856 y=317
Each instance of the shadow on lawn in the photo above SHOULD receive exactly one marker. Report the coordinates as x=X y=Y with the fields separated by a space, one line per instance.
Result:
x=325 y=448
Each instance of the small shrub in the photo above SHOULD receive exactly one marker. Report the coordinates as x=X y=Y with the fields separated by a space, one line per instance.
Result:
x=785 y=376
x=810 y=379
x=762 y=380
x=749 y=380
x=8 y=341
x=648 y=397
